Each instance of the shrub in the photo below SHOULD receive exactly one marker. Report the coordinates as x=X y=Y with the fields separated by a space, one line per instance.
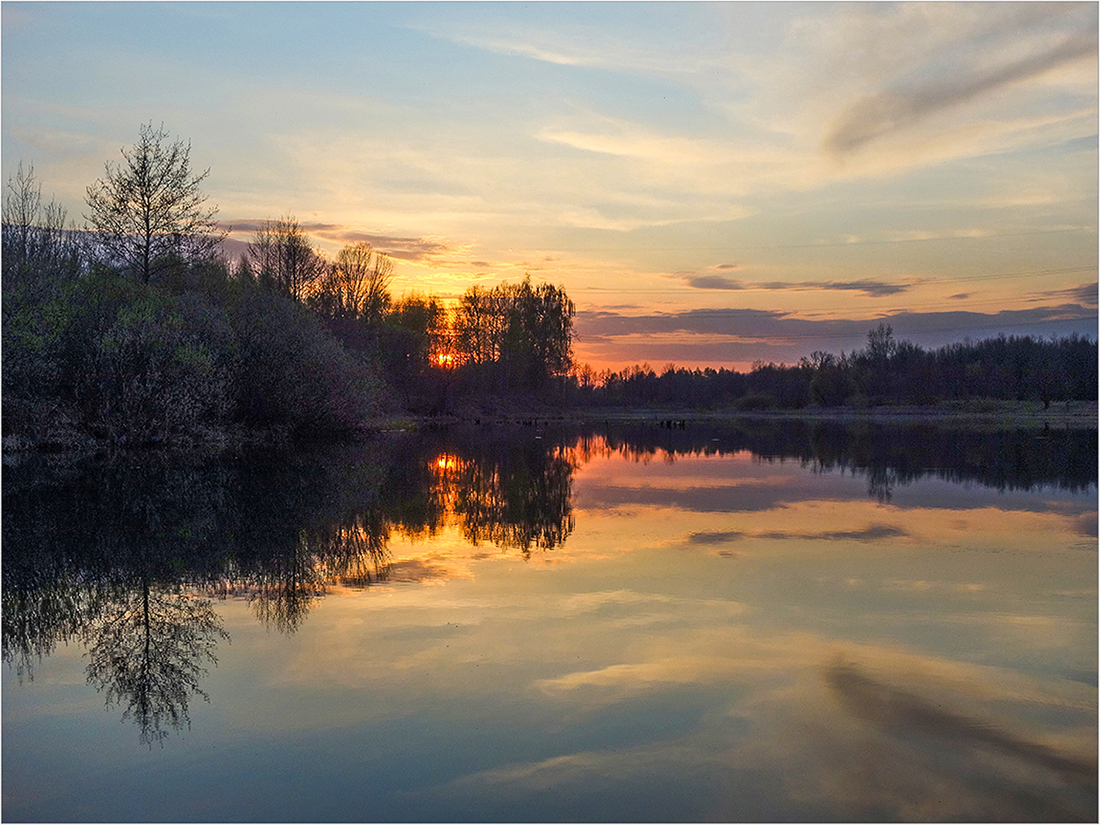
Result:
x=291 y=372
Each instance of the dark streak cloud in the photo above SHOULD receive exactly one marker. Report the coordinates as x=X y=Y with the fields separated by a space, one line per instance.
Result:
x=713 y=282
x=1085 y=294
x=409 y=249
x=715 y=537
x=256 y=225
x=891 y=111
x=405 y=248
x=875 y=289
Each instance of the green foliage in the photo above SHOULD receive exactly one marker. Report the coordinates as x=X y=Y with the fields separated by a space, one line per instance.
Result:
x=128 y=361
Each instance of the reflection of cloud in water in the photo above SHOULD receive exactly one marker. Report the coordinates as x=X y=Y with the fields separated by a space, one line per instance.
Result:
x=860 y=746
x=906 y=713
x=1086 y=525
x=419 y=570
x=874 y=532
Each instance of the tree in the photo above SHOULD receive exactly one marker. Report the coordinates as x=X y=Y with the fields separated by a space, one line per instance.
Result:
x=148 y=212
x=356 y=286
x=520 y=334
x=35 y=241
x=283 y=258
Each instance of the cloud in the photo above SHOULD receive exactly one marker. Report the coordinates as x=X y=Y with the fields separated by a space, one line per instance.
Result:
x=739 y=337
x=1085 y=294
x=713 y=282
x=715 y=537
x=758 y=324
x=404 y=247
x=895 y=110
x=872 y=288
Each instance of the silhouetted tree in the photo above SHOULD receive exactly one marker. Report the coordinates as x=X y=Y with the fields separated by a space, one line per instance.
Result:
x=36 y=243
x=282 y=257
x=515 y=337
x=411 y=333
x=355 y=286
x=148 y=213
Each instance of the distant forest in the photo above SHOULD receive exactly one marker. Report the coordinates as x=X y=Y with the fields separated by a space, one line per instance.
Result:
x=884 y=372
x=136 y=328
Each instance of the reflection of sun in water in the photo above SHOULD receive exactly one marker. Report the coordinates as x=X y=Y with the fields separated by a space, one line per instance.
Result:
x=445 y=468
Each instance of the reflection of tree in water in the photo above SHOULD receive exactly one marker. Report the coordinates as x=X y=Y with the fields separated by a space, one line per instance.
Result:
x=146 y=651
x=513 y=496
x=353 y=553
x=126 y=557
x=118 y=555
x=891 y=455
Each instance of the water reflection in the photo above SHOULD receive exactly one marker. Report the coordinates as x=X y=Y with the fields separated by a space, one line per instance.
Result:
x=146 y=651
x=889 y=455
x=905 y=714
x=128 y=558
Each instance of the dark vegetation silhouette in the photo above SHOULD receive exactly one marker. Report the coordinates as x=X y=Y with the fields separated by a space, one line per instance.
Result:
x=885 y=372
x=136 y=330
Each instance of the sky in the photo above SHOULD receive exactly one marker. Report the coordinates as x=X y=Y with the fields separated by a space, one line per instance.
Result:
x=713 y=184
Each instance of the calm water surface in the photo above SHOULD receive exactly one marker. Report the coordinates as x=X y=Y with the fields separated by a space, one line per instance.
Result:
x=763 y=622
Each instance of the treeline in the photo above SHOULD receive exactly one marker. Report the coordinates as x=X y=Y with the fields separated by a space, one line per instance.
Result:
x=136 y=328
x=885 y=372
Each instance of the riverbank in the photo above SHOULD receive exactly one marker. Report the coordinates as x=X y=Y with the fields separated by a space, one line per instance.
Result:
x=980 y=413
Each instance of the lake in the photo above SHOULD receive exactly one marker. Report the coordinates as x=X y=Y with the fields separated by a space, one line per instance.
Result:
x=752 y=621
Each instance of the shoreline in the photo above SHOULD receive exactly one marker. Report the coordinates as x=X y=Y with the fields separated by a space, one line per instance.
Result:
x=1023 y=414
x=982 y=415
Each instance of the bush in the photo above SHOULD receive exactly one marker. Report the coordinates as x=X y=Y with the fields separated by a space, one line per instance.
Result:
x=756 y=401
x=291 y=372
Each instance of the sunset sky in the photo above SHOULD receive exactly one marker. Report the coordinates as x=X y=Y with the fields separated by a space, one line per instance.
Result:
x=713 y=184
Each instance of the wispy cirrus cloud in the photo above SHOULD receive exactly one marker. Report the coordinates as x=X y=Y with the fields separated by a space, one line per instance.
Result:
x=892 y=110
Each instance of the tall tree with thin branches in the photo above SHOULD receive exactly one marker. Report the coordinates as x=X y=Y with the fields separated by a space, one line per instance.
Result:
x=356 y=286
x=282 y=257
x=148 y=213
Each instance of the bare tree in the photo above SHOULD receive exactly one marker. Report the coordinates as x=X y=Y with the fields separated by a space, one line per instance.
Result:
x=34 y=235
x=282 y=256
x=149 y=213
x=356 y=285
